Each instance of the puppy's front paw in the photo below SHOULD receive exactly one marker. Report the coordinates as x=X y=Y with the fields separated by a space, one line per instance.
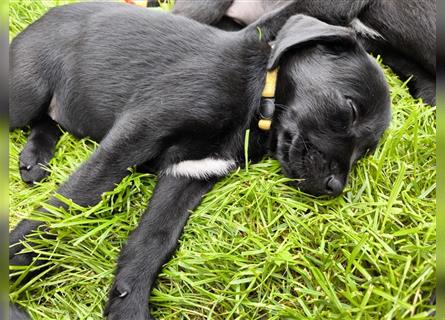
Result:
x=126 y=303
x=31 y=164
x=23 y=259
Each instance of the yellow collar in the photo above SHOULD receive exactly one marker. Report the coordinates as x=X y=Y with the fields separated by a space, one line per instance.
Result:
x=267 y=106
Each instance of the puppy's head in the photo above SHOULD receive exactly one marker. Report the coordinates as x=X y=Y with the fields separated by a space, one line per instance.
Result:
x=333 y=103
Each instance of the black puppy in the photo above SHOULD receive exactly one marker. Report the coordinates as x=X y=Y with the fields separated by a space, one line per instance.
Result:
x=403 y=32
x=176 y=96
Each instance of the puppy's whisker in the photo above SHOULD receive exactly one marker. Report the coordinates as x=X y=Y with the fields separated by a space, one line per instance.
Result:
x=305 y=145
x=281 y=106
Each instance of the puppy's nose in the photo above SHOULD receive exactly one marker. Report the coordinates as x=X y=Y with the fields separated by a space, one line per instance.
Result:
x=333 y=186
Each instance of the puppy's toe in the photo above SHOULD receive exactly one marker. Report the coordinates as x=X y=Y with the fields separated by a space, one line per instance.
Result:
x=125 y=303
x=31 y=166
x=32 y=173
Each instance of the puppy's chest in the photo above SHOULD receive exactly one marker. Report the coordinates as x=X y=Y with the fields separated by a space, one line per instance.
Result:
x=210 y=154
x=203 y=161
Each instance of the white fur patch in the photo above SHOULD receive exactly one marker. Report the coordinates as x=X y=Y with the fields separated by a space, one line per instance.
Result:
x=53 y=109
x=360 y=28
x=201 y=169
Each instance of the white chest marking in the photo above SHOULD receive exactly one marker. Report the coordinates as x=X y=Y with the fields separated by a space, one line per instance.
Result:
x=201 y=169
x=365 y=31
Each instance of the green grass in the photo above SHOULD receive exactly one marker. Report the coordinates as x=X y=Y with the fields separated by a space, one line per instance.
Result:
x=255 y=248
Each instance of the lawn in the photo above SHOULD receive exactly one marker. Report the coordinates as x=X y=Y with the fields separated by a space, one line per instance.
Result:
x=255 y=248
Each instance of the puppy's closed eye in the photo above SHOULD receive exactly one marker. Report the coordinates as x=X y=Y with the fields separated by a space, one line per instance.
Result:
x=347 y=117
x=342 y=120
x=287 y=137
x=353 y=109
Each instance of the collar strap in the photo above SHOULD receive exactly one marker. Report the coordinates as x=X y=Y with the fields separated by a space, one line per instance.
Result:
x=267 y=105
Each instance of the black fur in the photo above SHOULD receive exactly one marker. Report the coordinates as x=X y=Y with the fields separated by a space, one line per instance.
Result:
x=156 y=89
x=38 y=150
x=408 y=28
x=15 y=313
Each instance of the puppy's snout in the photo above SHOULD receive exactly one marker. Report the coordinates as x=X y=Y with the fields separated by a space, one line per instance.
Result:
x=333 y=185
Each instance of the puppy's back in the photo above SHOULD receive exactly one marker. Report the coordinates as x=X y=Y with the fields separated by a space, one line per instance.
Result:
x=105 y=58
x=130 y=29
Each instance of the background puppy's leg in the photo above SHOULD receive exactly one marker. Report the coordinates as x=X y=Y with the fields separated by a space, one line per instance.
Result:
x=422 y=84
x=130 y=142
x=151 y=244
x=408 y=27
x=39 y=149
x=409 y=44
x=205 y=11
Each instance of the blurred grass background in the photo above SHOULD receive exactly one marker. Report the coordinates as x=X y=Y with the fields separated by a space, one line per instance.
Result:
x=255 y=248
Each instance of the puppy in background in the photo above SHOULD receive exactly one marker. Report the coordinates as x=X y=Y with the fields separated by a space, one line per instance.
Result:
x=402 y=32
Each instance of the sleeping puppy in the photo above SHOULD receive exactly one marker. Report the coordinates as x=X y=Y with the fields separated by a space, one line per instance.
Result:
x=176 y=96
x=403 y=32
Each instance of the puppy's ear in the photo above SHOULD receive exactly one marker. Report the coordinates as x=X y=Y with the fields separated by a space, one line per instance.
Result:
x=299 y=30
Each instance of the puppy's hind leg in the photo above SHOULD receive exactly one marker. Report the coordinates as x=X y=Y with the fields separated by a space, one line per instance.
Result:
x=29 y=95
x=130 y=142
x=39 y=150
